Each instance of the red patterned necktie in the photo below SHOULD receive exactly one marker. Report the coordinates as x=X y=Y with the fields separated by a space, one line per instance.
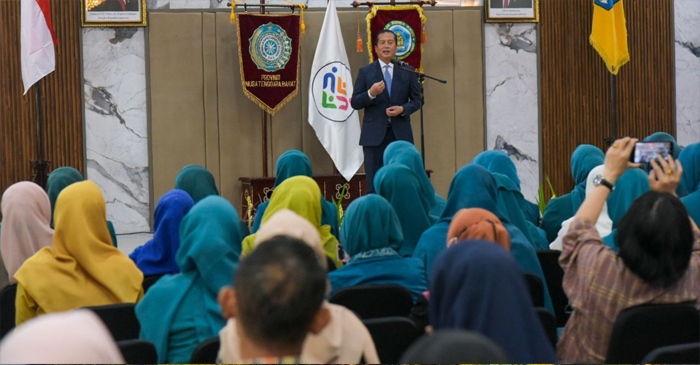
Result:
x=123 y=4
x=505 y=3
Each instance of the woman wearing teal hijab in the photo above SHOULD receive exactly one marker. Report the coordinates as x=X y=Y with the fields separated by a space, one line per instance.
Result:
x=372 y=237
x=196 y=181
x=630 y=186
x=690 y=181
x=400 y=186
x=296 y=163
x=180 y=311
x=407 y=154
x=583 y=160
x=510 y=200
x=58 y=180
x=474 y=187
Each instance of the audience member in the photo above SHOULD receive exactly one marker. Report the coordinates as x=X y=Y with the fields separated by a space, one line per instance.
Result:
x=690 y=182
x=296 y=163
x=196 y=181
x=658 y=262
x=26 y=212
x=477 y=224
x=371 y=235
x=405 y=153
x=301 y=195
x=82 y=268
x=632 y=184
x=400 y=186
x=559 y=209
x=477 y=286
x=180 y=311
x=158 y=256
x=77 y=337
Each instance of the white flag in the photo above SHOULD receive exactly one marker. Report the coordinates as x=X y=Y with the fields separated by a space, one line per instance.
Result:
x=336 y=123
x=38 y=58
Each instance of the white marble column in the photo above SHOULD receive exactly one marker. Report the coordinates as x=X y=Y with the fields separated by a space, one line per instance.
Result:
x=512 y=123
x=116 y=131
x=687 y=22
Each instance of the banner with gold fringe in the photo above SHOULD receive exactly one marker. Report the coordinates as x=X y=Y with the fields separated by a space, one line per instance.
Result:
x=609 y=33
x=268 y=51
x=408 y=22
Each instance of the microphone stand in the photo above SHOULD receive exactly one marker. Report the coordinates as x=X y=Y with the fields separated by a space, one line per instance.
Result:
x=421 y=79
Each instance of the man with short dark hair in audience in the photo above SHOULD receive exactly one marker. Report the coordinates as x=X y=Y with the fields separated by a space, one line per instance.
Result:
x=279 y=289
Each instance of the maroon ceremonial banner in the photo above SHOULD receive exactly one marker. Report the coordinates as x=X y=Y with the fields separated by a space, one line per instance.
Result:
x=268 y=51
x=407 y=22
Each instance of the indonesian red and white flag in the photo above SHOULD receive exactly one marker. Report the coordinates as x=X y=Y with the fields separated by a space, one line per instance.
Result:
x=38 y=39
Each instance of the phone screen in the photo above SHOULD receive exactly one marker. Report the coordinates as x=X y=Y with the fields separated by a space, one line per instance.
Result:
x=647 y=151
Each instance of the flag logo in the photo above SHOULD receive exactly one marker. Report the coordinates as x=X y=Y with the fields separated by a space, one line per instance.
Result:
x=405 y=38
x=606 y=4
x=332 y=90
x=270 y=47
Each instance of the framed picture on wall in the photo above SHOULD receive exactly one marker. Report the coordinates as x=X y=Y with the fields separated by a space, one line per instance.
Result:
x=512 y=11
x=113 y=13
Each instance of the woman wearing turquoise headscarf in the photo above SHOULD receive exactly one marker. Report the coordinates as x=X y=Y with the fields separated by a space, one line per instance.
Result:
x=58 y=180
x=196 y=181
x=296 y=163
x=630 y=186
x=407 y=154
x=510 y=200
x=180 y=311
x=690 y=181
x=400 y=186
x=372 y=237
x=474 y=187
x=583 y=160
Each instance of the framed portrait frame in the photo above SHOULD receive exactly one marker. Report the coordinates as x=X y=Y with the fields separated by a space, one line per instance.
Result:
x=512 y=11
x=113 y=13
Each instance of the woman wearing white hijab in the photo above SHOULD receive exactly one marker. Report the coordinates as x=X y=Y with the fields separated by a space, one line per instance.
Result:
x=343 y=340
x=604 y=223
x=77 y=337
x=26 y=212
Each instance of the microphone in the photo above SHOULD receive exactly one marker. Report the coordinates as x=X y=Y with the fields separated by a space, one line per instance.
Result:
x=399 y=62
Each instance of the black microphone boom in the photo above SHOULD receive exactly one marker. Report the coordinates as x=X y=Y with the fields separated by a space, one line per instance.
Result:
x=399 y=62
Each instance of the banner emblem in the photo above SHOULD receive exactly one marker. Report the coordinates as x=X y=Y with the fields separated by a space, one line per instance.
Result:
x=332 y=91
x=405 y=38
x=270 y=47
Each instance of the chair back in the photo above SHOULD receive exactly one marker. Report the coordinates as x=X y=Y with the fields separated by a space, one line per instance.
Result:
x=120 y=319
x=138 y=352
x=536 y=289
x=392 y=336
x=454 y=346
x=549 y=322
x=639 y=330
x=554 y=276
x=677 y=354
x=7 y=309
x=206 y=352
x=375 y=301
x=148 y=281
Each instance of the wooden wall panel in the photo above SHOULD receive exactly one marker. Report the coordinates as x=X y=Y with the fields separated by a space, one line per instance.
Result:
x=61 y=100
x=575 y=84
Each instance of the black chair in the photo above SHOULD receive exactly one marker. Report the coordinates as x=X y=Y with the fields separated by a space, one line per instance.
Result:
x=206 y=352
x=639 y=330
x=549 y=322
x=536 y=289
x=7 y=309
x=148 y=281
x=678 y=354
x=138 y=352
x=392 y=336
x=554 y=276
x=375 y=301
x=120 y=319
x=330 y=264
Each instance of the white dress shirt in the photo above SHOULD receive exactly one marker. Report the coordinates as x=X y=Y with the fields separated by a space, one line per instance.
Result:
x=391 y=72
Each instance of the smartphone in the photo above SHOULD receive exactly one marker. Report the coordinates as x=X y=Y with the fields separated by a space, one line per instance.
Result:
x=644 y=152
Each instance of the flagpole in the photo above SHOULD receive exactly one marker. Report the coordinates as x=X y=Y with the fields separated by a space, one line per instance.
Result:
x=613 y=109
x=264 y=118
x=40 y=165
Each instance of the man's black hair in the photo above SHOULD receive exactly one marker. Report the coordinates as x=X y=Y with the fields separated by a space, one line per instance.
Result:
x=385 y=31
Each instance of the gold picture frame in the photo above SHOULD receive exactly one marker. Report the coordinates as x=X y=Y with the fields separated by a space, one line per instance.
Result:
x=113 y=13
x=517 y=11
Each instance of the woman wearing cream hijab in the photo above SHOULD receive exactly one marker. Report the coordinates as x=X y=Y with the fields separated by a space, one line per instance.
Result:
x=82 y=268
x=343 y=340
x=26 y=213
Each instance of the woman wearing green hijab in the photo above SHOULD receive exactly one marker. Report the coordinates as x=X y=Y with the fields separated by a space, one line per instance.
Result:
x=296 y=163
x=372 y=237
x=59 y=179
x=180 y=311
x=196 y=181
x=583 y=160
x=400 y=186
x=407 y=154
x=628 y=187
x=690 y=181
x=301 y=195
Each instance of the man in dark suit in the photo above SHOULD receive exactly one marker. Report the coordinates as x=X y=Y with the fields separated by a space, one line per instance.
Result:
x=389 y=96
x=118 y=5
x=515 y=4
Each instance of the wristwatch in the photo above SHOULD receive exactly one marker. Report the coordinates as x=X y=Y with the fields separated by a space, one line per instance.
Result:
x=600 y=180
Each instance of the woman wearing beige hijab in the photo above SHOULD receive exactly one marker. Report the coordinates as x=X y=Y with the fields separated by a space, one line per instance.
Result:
x=77 y=337
x=343 y=340
x=26 y=229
